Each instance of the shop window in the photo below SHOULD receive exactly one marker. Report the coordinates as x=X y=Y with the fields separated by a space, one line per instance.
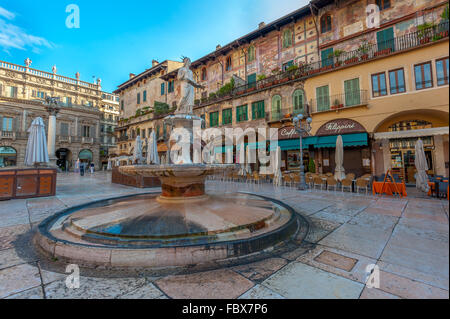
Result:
x=323 y=98
x=423 y=74
x=213 y=119
x=8 y=156
x=298 y=99
x=410 y=125
x=242 y=113
x=287 y=39
x=379 y=85
x=325 y=23
x=228 y=66
x=442 y=71
x=251 y=55
x=397 y=81
x=383 y=4
x=227 y=116
x=276 y=108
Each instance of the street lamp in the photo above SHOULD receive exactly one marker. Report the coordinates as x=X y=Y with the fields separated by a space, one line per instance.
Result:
x=302 y=128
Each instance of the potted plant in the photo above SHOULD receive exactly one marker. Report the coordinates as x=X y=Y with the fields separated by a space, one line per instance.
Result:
x=363 y=50
x=337 y=54
x=423 y=32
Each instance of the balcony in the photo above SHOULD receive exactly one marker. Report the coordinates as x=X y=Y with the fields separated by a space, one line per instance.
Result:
x=87 y=140
x=8 y=135
x=65 y=139
x=123 y=139
x=339 y=101
x=364 y=53
x=284 y=114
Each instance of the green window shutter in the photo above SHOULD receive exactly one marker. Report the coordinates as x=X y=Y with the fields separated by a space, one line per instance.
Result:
x=253 y=111
x=163 y=88
x=323 y=98
x=385 y=39
x=325 y=57
x=251 y=79
x=352 y=96
x=298 y=102
x=276 y=108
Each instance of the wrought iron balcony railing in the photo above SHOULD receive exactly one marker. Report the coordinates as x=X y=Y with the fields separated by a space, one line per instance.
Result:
x=339 y=101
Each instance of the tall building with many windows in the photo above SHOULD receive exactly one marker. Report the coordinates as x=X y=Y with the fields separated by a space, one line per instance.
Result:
x=79 y=117
x=373 y=71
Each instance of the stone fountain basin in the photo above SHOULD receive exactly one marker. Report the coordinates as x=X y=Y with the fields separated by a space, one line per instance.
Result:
x=173 y=170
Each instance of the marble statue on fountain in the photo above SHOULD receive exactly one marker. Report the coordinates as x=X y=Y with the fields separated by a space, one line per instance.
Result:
x=187 y=83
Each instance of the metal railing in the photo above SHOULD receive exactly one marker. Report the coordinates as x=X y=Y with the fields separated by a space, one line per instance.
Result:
x=339 y=101
x=275 y=114
x=366 y=51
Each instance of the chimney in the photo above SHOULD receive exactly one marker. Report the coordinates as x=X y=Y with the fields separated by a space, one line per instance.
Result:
x=154 y=62
x=261 y=25
x=218 y=47
x=132 y=75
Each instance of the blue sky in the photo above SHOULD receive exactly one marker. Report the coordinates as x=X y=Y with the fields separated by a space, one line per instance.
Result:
x=116 y=38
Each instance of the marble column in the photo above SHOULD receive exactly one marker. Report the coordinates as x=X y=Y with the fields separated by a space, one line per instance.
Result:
x=51 y=134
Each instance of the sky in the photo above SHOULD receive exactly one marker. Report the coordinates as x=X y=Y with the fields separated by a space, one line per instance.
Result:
x=116 y=38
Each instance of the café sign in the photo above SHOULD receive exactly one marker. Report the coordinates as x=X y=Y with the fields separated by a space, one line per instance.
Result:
x=288 y=133
x=340 y=126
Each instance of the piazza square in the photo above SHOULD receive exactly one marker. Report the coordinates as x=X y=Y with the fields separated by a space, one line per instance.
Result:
x=307 y=159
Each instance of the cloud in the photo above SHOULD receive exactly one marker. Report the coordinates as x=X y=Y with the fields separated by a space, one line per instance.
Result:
x=14 y=37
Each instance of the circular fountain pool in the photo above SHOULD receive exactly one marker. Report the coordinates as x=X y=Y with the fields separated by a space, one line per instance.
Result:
x=140 y=231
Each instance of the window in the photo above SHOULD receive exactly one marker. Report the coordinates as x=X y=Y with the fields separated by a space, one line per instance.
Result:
x=251 y=55
x=287 y=65
x=379 y=85
x=138 y=98
x=229 y=66
x=385 y=39
x=163 y=89
x=144 y=96
x=325 y=23
x=143 y=133
x=442 y=71
x=86 y=131
x=383 y=4
x=258 y=110
x=241 y=113
x=204 y=74
x=171 y=86
x=323 y=98
x=67 y=101
x=251 y=80
x=298 y=101
x=157 y=132
x=121 y=106
x=287 y=39
x=65 y=129
x=38 y=94
x=227 y=116
x=214 y=119
x=276 y=108
x=352 y=96
x=7 y=124
x=397 y=81
x=11 y=91
x=327 y=57
x=203 y=121
x=423 y=75
x=8 y=156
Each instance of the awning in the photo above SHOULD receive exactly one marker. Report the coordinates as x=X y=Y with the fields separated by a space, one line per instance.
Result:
x=294 y=144
x=412 y=133
x=356 y=139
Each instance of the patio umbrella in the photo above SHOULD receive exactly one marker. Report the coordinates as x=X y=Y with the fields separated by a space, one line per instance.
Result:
x=248 y=168
x=109 y=165
x=277 y=178
x=36 y=151
x=152 y=150
x=422 y=167
x=137 y=154
x=339 y=171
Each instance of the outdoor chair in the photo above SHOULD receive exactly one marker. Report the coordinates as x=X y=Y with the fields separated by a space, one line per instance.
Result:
x=362 y=183
x=329 y=174
x=256 y=178
x=346 y=183
x=350 y=176
x=318 y=181
x=310 y=181
x=441 y=189
x=296 y=179
x=331 y=182
x=287 y=179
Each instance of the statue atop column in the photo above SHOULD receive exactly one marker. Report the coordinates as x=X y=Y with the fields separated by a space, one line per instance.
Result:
x=28 y=62
x=187 y=83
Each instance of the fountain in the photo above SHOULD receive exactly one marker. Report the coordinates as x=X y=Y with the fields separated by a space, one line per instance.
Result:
x=180 y=226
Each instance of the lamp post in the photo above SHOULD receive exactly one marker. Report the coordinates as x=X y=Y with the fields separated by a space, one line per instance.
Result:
x=302 y=128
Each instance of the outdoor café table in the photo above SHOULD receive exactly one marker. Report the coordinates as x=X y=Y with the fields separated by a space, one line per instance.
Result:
x=389 y=188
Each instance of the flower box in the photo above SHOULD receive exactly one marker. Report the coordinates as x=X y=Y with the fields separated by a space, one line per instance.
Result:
x=383 y=52
x=352 y=60
x=424 y=40
x=364 y=57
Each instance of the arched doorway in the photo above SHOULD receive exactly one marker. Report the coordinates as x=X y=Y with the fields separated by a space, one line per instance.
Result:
x=64 y=159
x=8 y=156
x=86 y=156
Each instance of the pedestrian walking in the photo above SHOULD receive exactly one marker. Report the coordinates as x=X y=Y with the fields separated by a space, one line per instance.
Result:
x=92 y=166
x=82 y=169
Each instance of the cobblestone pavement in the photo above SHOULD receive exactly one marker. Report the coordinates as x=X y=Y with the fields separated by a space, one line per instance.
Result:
x=406 y=238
